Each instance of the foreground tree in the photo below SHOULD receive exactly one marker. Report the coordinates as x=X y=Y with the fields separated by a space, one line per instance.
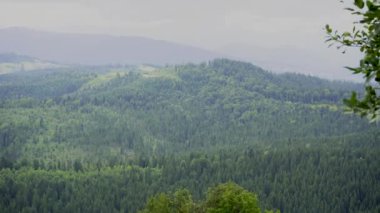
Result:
x=160 y=203
x=365 y=35
x=179 y=202
x=224 y=198
x=230 y=198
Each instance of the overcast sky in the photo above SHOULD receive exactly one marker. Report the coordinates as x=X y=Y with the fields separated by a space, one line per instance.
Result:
x=211 y=24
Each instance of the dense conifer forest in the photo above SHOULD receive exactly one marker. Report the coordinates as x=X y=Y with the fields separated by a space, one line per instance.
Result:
x=108 y=138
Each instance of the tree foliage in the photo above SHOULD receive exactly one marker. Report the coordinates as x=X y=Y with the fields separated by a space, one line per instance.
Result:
x=179 y=202
x=223 y=198
x=365 y=35
x=231 y=198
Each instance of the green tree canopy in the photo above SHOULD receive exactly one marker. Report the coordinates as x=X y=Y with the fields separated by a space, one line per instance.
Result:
x=365 y=35
x=160 y=203
x=179 y=202
x=224 y=198
x=230 y=198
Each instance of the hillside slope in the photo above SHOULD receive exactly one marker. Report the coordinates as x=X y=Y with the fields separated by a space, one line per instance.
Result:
x=190 y=106
x=114 y=135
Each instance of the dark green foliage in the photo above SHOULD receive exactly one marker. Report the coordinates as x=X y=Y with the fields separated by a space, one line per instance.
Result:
x=108 y=190
x=106 y=139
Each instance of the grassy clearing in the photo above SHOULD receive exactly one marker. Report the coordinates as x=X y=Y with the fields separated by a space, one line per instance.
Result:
x=26 y=66
x=151 y=72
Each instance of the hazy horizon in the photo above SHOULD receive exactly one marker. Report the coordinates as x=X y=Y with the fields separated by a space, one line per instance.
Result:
x=280 y=36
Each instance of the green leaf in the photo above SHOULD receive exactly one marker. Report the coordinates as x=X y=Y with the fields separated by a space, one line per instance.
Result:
x=349 y=9
x=377 y=77
x=355 y=70
x=359 y=3
x=328 y=29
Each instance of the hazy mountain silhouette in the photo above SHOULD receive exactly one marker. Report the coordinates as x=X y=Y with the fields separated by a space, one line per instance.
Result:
x=93 y=49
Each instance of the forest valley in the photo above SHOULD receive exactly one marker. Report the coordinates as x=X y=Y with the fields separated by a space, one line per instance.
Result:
x=183 y=138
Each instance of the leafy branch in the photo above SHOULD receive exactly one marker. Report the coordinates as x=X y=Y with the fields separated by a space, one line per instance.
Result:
x=365 y=35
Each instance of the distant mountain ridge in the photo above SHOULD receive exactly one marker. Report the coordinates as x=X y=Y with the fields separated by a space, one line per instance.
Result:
x=91 y=49
x=14 y=58
x=10 y=62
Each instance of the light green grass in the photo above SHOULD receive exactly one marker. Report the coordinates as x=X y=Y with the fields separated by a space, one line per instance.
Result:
x=101 y=80
x=26 y=66
x=150 y=72
x=331 y=107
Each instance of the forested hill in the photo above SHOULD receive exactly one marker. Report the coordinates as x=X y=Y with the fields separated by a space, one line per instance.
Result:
x=14 y=58
x=145 y=129
x=188 y=106
x=10 y=62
